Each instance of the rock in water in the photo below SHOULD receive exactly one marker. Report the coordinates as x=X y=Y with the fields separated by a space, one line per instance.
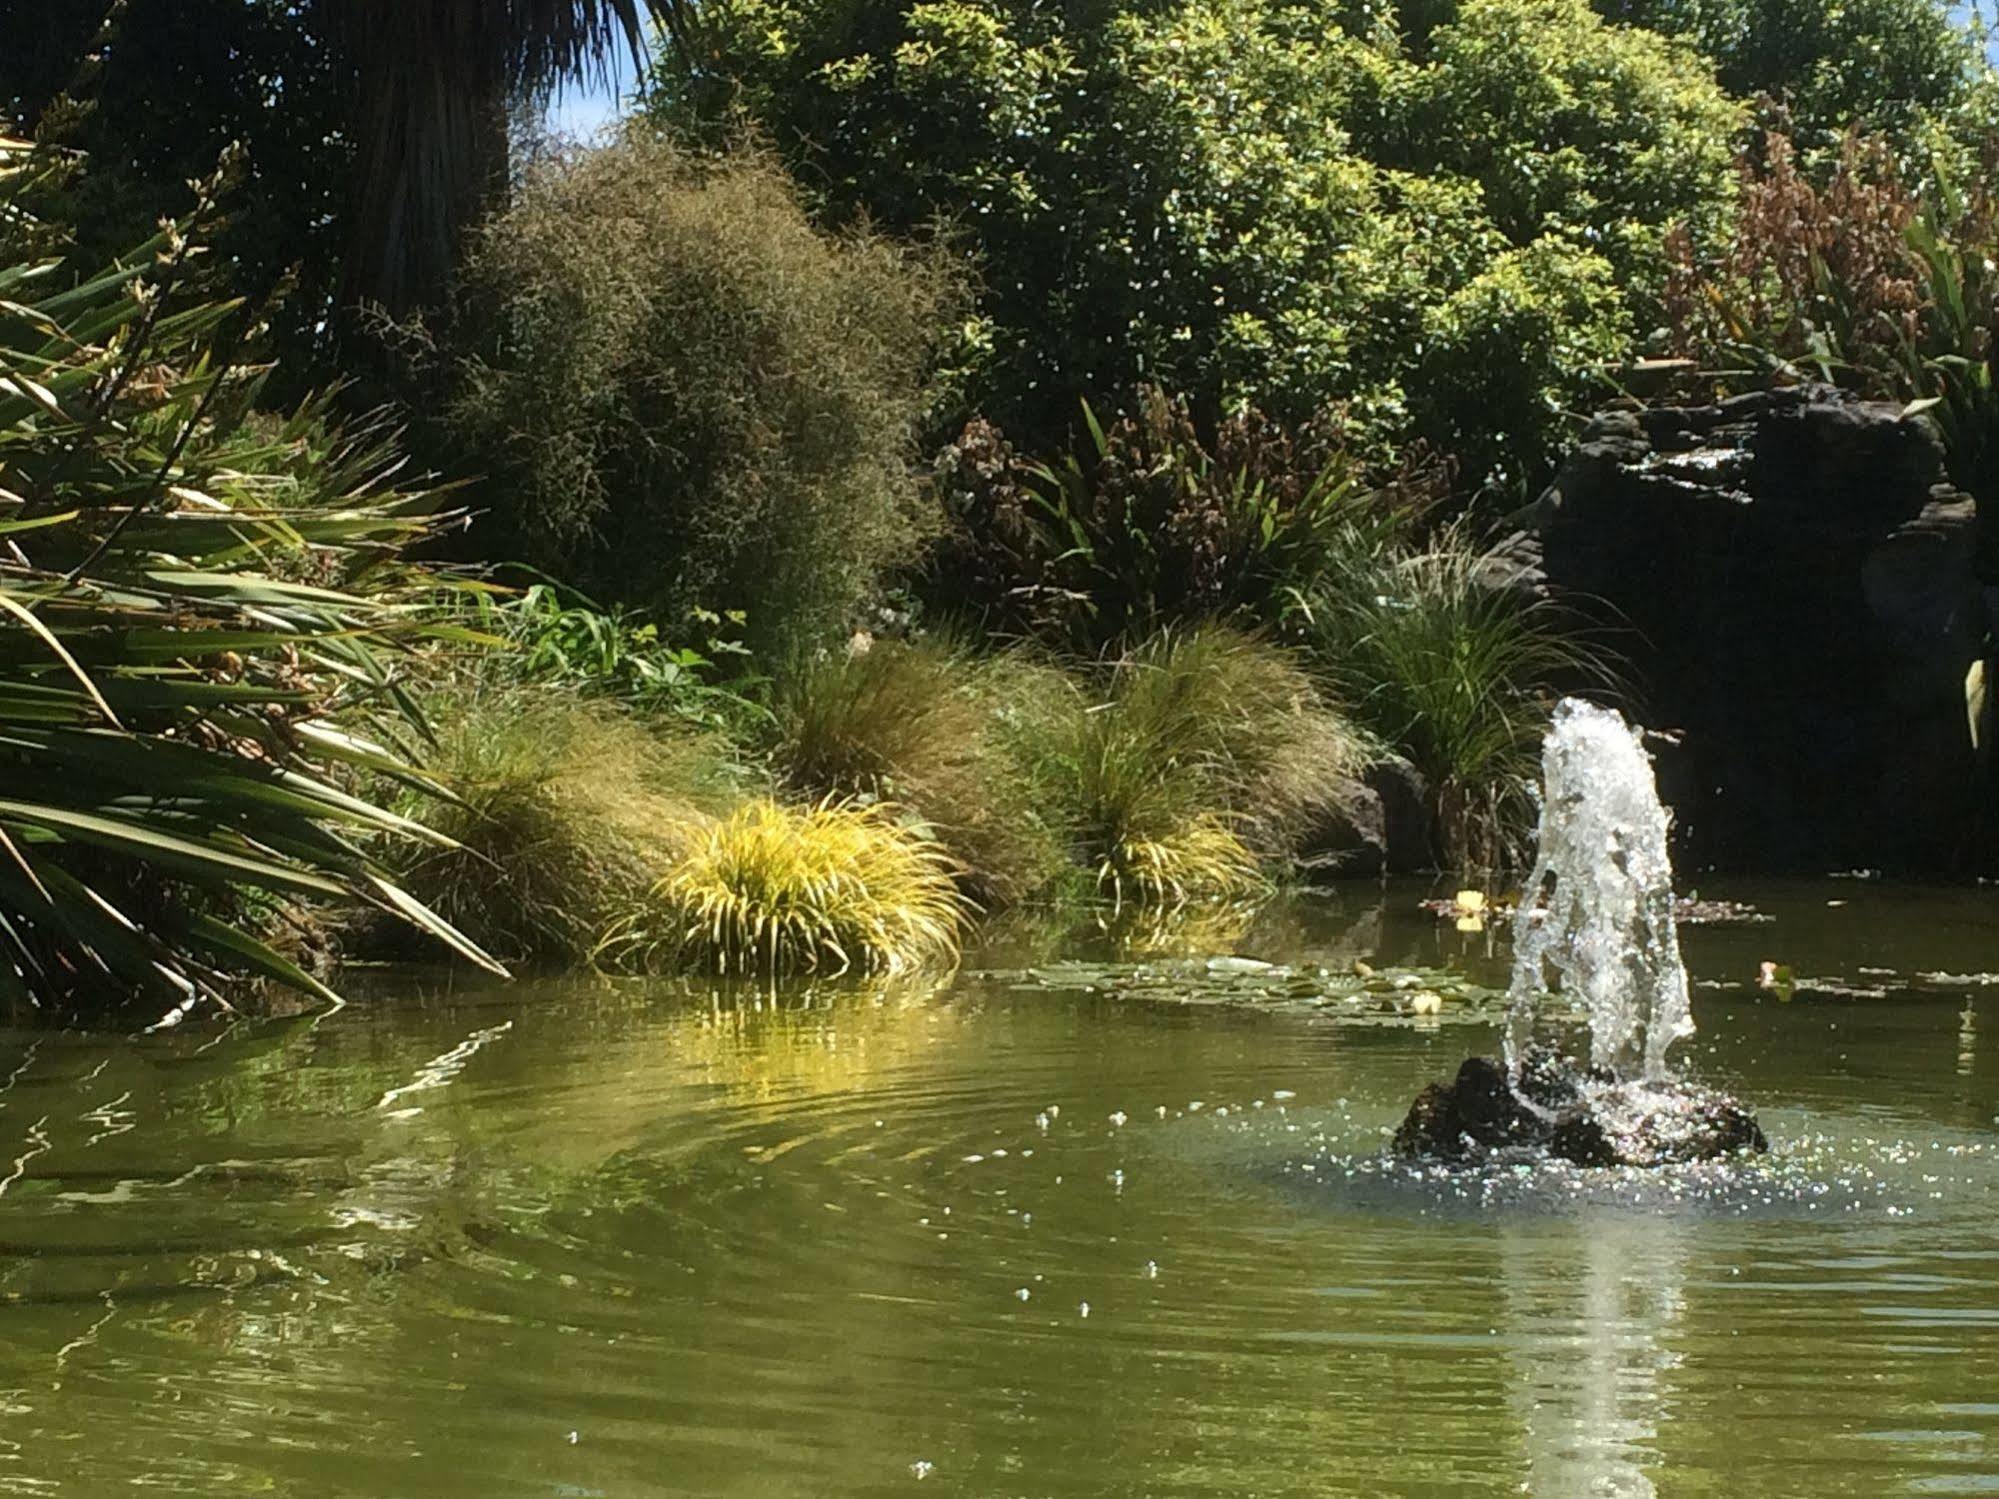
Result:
x=1565 y=1111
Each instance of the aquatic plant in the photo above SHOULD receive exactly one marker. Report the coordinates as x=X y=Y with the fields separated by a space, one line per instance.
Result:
x=564 y=814
x=772 y=889
x=204 y=618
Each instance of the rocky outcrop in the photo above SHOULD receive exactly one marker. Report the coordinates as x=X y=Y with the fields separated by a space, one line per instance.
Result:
x=1562 y=1111
x=1797 y=586
x=1374 y=824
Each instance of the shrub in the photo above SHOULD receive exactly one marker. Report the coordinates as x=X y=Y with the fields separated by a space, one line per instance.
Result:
x=564 y=814
x=1459 y=676
x=1874 y=277
x=686 y=396
x=1147 y=526
x=773 y=890
x=920 y=724
x=1815 y=277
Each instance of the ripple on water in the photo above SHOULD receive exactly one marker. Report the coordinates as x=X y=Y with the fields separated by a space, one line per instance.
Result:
x=775 y=1249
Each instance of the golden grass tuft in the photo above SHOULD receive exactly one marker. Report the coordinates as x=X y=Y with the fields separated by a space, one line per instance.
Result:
x=1202 y=861
x=772 y=890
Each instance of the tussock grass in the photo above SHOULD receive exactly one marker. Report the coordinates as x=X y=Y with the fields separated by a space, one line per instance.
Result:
x=568 y=811
x=925 y=725
x=1200 y=756
x=1460 y=676
x=773 y=890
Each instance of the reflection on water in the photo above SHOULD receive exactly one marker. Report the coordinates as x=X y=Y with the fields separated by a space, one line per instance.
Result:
x=624 y=1239
x=1592 y=1312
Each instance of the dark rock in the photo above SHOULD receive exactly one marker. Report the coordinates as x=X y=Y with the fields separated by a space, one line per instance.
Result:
x=1798 y=588
x=1407 y=826
x=1349 y=837
x=1563 y=1111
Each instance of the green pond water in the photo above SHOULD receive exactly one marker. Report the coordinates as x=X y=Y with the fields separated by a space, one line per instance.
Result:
x=1064 y=1225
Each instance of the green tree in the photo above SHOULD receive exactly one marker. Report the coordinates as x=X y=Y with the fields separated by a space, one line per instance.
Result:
x=1881 y=65
x=1237 y=199
x=1596 y=134
x=375 y=131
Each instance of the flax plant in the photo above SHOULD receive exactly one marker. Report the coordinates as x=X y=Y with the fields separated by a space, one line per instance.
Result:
x=200 y=625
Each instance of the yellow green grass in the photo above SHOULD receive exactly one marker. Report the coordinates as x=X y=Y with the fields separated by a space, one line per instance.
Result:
x=772 y=889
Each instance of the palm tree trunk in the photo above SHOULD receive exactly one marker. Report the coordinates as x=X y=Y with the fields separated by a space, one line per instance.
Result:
x=431 y=137
x=433 y=82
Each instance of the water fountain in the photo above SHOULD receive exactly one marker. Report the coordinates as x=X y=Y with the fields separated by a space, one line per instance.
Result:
x=1595 y=920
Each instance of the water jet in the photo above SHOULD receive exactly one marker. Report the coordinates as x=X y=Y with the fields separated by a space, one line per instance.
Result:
x=1595 y=921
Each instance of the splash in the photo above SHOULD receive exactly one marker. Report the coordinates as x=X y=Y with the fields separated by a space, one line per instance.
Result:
x=1596 y=916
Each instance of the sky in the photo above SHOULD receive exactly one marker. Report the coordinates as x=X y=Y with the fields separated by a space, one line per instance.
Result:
x=586 y=108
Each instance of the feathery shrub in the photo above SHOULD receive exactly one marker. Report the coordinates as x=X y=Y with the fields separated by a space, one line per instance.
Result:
x=686 y=395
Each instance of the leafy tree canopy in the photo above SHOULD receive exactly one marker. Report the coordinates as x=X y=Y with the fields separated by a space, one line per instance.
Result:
x=1241 y=200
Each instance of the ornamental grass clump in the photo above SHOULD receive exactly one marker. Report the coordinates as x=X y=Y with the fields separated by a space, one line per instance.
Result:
x=1199 y=760
x=773 y=890
x=1459 y=676
x=922 y=724
x=565 y=812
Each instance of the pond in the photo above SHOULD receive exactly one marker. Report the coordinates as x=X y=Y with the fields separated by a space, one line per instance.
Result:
x=1082 y=1225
